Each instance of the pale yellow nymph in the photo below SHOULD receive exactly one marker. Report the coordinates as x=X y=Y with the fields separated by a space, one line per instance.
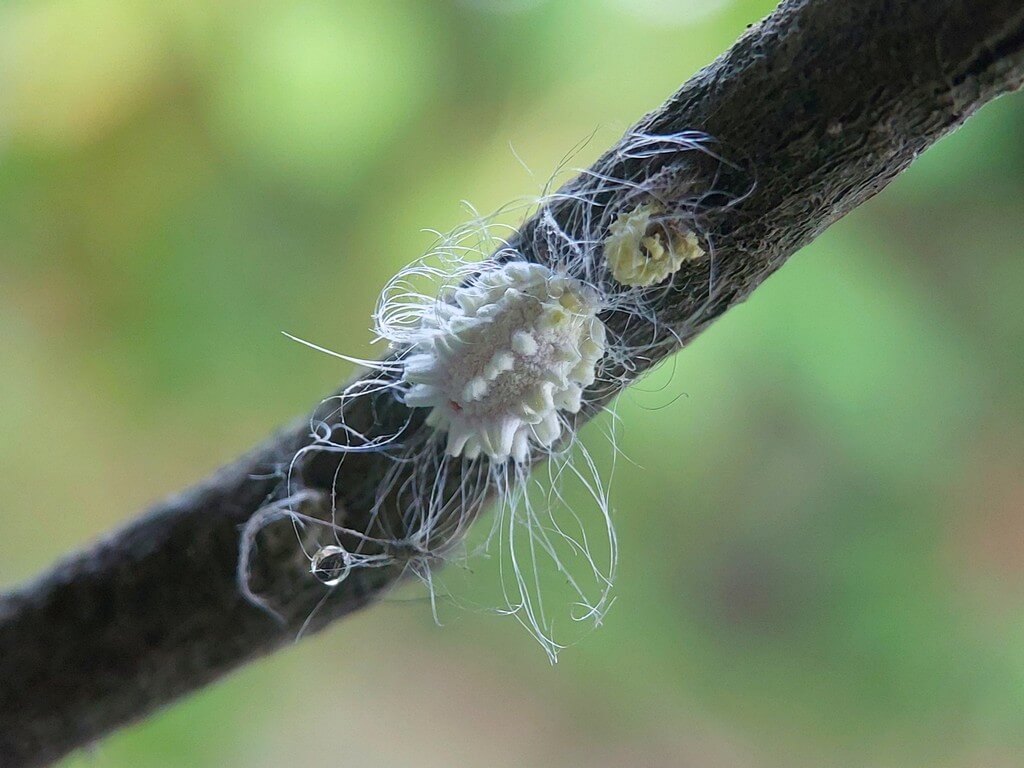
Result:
x=640 y=255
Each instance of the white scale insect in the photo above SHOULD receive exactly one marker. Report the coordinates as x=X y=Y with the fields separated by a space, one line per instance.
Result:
x=501 y=356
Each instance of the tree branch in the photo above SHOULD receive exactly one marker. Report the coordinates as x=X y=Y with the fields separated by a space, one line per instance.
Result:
x=824 y=102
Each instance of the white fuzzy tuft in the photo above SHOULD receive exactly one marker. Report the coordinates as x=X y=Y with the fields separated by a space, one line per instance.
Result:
x=499 y=360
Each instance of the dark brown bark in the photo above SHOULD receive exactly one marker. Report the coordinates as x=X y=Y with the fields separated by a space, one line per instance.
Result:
x=822 y=104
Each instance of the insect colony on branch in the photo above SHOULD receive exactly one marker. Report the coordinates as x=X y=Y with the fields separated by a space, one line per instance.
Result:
x=504 y=355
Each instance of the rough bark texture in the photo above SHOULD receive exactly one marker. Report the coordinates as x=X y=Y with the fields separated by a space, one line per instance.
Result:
x=825 y=102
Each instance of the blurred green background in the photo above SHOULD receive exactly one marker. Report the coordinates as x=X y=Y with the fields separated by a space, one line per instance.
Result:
x=823 y=544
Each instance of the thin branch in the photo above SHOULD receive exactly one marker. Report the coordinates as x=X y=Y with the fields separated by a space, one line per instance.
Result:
x=822 y=104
